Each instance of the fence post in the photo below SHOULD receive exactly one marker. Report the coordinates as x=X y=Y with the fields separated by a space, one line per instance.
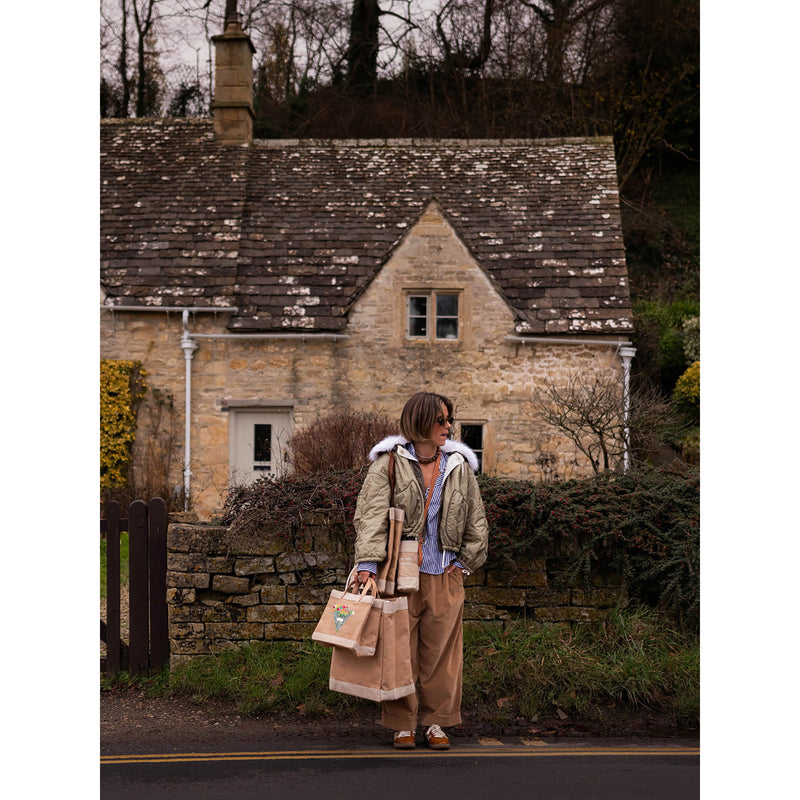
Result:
x=113 y=647
x=137 y=581
x=159 y=633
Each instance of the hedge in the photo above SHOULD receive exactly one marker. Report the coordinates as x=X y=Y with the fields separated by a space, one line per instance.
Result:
x=643 y=524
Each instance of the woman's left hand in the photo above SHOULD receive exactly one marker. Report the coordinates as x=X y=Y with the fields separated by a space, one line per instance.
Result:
x=452 y=568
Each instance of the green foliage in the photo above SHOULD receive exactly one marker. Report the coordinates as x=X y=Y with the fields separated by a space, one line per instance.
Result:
x=635 y=659
x=643 y=525
x=691 y=339
x=153 y=684
x=686 y=394
x=122 y=386
x=660 y=338
x=264 y=677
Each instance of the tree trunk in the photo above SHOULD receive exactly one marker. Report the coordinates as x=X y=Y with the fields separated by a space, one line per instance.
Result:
x=125 y=101
x=362 y=50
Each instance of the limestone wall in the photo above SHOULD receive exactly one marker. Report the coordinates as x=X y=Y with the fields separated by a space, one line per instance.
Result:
x=225 y=590
x=377 y=368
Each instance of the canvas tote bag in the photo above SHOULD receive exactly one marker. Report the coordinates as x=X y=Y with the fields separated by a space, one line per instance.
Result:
x=386 y=578
x=387 y=674
x=345 y=616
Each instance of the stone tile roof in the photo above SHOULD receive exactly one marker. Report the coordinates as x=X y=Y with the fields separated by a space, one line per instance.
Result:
x=291 y=232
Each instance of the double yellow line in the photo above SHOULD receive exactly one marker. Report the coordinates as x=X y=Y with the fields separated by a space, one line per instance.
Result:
x=338 y=755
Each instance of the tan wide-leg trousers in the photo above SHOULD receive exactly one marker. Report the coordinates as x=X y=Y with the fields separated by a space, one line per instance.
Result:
x=437 y=655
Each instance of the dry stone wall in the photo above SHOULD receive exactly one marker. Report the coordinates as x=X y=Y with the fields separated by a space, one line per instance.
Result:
x=225 y=590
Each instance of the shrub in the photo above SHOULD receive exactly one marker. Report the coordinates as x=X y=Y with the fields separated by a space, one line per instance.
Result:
x=282 y=505
x=643 y=524
x=122 y=387
x=660 y=339
x=691 y=339
x=338 y=441
x=686 y=394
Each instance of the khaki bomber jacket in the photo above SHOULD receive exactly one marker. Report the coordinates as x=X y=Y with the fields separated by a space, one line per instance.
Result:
x=463 y=529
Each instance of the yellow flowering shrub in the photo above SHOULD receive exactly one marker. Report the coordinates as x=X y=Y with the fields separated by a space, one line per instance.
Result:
x=687 y=391
x=122 y=387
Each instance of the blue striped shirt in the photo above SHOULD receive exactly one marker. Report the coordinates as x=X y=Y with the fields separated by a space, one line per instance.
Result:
x=434 y=560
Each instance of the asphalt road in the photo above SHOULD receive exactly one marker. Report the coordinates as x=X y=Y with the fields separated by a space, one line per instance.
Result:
x=493 y=769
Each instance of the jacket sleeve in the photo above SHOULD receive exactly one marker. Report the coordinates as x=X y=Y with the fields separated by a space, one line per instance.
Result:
x=475 y=541
x=371 y=519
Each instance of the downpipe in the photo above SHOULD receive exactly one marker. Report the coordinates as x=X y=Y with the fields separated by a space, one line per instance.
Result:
x=626 y=354
x=188 y=345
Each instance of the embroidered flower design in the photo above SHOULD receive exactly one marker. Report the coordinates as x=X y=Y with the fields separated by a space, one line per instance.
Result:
x=340 y=614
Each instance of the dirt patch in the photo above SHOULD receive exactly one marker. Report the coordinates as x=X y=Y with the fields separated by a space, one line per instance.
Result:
x=130 y=721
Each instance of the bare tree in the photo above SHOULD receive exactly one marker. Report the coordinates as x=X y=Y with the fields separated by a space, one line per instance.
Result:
x=144 y=77
x=465 y=45
x=560 y=19
x=114 y=47
x=590 y=411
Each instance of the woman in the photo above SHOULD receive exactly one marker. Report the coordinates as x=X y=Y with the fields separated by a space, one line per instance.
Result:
x=436 y=487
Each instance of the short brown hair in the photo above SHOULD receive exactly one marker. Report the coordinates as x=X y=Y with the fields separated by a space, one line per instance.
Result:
x=420 y=413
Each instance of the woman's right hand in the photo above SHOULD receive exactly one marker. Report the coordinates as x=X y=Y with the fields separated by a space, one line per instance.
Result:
x=364 y=576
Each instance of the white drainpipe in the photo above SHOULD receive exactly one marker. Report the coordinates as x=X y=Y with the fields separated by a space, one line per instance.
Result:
x=626 y=354
x=188 y=345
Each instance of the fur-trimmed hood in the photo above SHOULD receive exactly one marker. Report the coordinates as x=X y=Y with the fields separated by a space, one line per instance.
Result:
x=450 y=446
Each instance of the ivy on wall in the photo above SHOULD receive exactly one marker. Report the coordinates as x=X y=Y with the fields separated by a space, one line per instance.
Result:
x=122 y=386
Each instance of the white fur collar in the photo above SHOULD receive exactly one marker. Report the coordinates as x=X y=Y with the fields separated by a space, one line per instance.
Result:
x=450 y=446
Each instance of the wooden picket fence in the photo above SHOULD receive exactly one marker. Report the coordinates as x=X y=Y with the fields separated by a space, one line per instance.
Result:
x=148 y=648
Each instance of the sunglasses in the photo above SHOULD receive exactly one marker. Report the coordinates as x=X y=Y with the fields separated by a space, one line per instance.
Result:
x=442 y=420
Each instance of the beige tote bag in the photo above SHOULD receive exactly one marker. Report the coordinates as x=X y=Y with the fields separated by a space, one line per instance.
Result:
x=345 y=616
x=387 y=674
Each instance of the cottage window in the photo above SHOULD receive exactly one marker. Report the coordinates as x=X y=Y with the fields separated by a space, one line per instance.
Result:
x=472 y=436
x=433 y=312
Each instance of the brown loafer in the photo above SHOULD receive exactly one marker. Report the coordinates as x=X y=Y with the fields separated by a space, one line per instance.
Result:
x=404 y=740
x=437 y=738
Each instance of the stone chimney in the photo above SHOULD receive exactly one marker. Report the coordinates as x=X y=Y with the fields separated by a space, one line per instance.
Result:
x=233 y=82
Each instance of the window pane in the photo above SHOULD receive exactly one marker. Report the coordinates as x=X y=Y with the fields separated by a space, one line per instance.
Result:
x=418 y=306
x=472 y=436
x=446 y=305
x=417 y=326
x=262 y=442
x=447 y=316
x=417 y=316
x=447 y=329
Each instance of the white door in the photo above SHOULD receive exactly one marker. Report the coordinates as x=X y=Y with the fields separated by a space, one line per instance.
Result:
x=257 y=444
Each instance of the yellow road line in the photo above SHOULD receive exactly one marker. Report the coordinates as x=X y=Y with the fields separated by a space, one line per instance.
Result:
x=323 y=755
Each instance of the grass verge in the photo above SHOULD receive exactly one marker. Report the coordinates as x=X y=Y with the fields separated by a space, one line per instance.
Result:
x=635 y=660
x=123 y=565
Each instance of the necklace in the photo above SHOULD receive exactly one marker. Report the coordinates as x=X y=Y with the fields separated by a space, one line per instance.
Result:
x=428 y=460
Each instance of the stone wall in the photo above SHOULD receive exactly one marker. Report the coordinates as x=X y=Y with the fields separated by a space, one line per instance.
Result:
x=490 y=378
x=225 y=590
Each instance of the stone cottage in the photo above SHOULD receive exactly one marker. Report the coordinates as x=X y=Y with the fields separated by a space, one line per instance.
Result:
x=265 y=283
